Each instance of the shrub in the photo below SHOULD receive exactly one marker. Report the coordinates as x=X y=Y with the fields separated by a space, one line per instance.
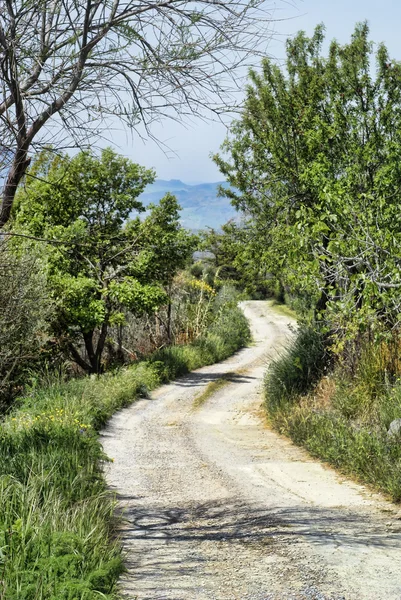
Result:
x=297 y=369
x=347 y=428
x=229 y=332
x=361 y=451
x=24 y=314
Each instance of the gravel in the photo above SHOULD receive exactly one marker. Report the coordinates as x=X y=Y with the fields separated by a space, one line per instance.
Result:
x=217 y=506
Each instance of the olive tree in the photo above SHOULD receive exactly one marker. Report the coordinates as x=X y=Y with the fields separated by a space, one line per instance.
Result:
x=25 y=310
x=67 y=68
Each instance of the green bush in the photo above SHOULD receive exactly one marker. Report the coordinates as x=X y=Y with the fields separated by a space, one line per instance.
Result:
x=297 y=369
x=229 y=332
x=348 y=429
x=56 y=515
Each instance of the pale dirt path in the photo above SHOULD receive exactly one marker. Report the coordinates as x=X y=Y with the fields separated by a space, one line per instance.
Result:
x=219 y=507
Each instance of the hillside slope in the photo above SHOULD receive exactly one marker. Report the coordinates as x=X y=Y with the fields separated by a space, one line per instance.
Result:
x=201 y=206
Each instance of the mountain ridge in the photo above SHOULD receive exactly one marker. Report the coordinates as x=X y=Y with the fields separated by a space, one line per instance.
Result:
x=201 y=205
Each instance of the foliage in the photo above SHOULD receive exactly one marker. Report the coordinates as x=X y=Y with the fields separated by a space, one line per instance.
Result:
x=236 y=258
x=345 y=417
x=167 y=247
x=101 y=264
x=70 y=69
x=297 y=369
x=190 y=312
x=314 y=160
x=56 y=518
x=25 y=310
x=228 y=331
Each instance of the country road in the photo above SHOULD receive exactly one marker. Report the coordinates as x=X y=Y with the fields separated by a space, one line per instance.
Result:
x=219 y=507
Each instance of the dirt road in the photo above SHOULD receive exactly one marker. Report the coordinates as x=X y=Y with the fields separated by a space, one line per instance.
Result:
x=217 y=506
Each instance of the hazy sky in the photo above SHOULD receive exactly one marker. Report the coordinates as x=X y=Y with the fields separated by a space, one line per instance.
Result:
x=194 y=143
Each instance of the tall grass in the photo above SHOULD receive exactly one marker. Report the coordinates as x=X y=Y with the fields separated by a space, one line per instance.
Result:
x=297 y=369
x=228 y=332
x=343 y=420
x=56 y=515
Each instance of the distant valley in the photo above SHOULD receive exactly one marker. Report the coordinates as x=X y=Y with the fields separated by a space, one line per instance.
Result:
x=201 y=206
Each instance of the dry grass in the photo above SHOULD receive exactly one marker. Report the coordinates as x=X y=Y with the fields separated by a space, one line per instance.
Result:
x=323 y=394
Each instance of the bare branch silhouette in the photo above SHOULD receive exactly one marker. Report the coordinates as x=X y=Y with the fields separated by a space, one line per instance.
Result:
x=68 y=69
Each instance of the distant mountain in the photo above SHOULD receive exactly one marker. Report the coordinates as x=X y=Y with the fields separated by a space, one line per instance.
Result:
x=201 y=206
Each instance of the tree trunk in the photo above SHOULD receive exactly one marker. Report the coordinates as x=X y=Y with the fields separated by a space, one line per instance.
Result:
x=169 y=308
x=321 y=304
x=78 y=358
x=101 y=343
x=92 y=355
x=169 y=314
x=16 y=173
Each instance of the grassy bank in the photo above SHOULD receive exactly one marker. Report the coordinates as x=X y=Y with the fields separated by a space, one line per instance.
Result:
x=56 y=516
x=339 y=418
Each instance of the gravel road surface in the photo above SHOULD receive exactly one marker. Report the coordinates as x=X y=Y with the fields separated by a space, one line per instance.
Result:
x=218 y=507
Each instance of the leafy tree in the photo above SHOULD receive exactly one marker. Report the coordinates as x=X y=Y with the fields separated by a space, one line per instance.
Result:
x=224 y=245
x=315 y=160
x=166 y=245
x=166 y=248
x=69 y=67
x=101 y=264
x=237 y=257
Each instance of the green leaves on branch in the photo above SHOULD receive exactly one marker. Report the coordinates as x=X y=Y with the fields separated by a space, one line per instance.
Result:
x=136 y=296
x=103 y=260
x=314 y=161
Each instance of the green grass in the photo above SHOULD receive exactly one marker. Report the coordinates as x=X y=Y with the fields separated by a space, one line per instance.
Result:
x=297 y=369
x=283 y=309
x=346 y=423
x=56 y=516
x=360 y=451
x=228 y=333
x=212 y=388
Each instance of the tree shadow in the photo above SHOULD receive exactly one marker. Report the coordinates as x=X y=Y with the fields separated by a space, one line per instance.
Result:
x=197 y=379
x=153 y=536
x=230 y=522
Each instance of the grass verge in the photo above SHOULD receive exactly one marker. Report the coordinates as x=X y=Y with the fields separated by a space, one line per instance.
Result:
x=283 y=309
x=212 y=388
x=341 y=420
x=56 y=516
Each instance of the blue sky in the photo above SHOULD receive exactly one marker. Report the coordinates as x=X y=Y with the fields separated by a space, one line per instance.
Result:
x=193 y=144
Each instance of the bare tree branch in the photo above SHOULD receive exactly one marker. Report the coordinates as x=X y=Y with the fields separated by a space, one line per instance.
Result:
x=68 y=69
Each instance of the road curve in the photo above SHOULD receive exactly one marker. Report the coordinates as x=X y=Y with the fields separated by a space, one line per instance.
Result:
x=218 y=507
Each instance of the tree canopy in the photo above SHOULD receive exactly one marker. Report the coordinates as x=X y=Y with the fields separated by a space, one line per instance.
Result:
x=102 y=261
x=315 y=161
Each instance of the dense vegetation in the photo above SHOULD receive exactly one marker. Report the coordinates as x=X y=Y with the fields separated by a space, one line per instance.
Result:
x=340 y=416
x=80 y=267
x=314 y=164
x=88 y=286
x=56 y=516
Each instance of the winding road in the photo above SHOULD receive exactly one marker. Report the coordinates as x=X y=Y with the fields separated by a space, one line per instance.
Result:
x=219 y=507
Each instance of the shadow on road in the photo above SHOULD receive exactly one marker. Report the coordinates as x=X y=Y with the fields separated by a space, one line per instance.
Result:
x=156 y=535
x=244 y=523
x=201 y=379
